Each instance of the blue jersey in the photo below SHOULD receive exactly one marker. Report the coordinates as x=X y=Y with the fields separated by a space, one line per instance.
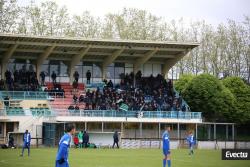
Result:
x=166 y=141
x=63 y=150
x=191 y=140
x=26 y=138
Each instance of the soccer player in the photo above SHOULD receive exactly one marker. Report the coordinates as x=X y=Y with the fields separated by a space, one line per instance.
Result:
x=26 y=142
x=166 y=147
x=63 y=149
x=191 y=142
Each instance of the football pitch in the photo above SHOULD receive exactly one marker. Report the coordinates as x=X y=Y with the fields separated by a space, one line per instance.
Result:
x=45 y=157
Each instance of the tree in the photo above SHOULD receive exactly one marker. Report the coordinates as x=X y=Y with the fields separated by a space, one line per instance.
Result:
x=207 y=94
x=241 y=92
x=183 y=81
x=84 y=25
x=9 y=12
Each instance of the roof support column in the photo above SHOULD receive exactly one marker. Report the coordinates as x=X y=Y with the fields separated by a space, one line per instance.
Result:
x=104 y=71
x=107 y=61
x=171 y=62
x=75 y=60
x=144 y=59
x=6 y=59
x=42 y=58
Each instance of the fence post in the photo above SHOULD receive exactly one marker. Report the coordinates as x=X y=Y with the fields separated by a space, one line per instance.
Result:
x=36 y=142
x=196 y=131
x=140 y=129
x=233 y=132
x=159 y=130
x=214 y=131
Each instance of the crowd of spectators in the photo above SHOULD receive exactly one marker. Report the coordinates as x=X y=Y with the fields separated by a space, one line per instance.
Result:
x=139 y=93
x=146 y=94
x=21 y=80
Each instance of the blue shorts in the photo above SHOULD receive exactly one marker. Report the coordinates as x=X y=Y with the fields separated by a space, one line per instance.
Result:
x=65 y=164
x=26 y=145
x=191 y=145
x=166 y=152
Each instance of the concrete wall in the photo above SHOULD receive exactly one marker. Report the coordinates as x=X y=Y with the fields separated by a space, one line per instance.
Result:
x=101 y=139
x=30 y=123
x=26 y=104
x=135 y=144
x=174 y=144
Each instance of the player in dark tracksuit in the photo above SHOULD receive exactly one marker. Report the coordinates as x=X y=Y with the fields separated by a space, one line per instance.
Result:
x=116 y=139
x=85 y=139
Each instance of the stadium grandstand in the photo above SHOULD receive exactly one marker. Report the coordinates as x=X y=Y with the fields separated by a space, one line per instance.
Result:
x=101 y=86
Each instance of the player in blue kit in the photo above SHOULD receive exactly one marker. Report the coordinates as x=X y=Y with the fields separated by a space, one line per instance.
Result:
x=26 y=142
x=63 y=149
x=166 y=147
x=191 y=142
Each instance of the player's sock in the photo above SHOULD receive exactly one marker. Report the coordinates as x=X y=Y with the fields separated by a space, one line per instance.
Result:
x=169 y=163
x=164 y=162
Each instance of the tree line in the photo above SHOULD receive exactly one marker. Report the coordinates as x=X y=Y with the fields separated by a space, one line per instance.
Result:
x=224 y=49
x=224 y=100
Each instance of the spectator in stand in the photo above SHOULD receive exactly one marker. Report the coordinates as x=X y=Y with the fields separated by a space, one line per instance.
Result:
x=42 y=76
x=75 y=85
x=77 y=109
x=7 y=75
x=6 y=101
x=76 y=76
x=110 y=84
x=71 y=108
x=183 y=108
x=53 y=77
x=1 y=84
x=9 y=80
x=16 y=76
x=85 y=139
x=81 y=99
x=103 y=106
x=138 y=77
x=75 y=99
x=94 y=101
x=88 y=76
x=105 y=81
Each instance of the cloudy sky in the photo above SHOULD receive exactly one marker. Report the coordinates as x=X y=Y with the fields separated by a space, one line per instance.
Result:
x=213 y=11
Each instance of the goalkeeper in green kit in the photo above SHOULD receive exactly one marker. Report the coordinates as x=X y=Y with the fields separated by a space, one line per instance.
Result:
x=80 y=136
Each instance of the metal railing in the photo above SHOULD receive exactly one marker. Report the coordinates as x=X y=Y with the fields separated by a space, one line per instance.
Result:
x=130 y=114
x=31 y=95
x=107 y=113
x=21 y=95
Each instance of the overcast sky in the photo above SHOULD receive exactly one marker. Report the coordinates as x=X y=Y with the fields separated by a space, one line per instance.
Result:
x=213 y=11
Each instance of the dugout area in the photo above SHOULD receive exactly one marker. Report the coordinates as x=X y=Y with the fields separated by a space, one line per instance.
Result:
x=140 y=135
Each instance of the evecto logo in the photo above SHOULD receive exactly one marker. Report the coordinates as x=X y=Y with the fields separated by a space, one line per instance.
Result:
x=235 y=154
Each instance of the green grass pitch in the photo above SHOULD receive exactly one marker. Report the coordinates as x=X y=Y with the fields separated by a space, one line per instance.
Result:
x=116 y=158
